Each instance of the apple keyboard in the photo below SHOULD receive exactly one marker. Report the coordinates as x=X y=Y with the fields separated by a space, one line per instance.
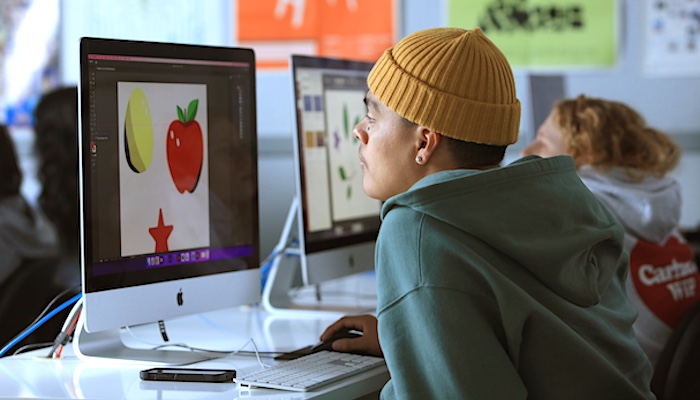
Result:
x=311 y=371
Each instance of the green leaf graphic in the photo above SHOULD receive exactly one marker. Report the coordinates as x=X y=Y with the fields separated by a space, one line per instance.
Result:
x=341 y=170
x=180 y=115
x=192 y=110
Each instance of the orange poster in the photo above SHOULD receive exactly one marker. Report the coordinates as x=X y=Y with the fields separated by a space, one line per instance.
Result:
x=352 y=29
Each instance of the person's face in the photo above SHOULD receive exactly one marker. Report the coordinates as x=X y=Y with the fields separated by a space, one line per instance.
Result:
x=549 y=141
x=388 y=149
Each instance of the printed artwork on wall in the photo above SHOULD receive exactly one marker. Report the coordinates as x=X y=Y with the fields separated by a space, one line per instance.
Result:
x=351 y=29
x=544 y=34
x=672 y=30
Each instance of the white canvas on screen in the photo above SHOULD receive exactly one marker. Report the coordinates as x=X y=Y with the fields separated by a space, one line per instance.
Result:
x=145 y=194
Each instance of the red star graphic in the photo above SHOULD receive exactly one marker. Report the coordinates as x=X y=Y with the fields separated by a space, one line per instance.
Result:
x=161 y=233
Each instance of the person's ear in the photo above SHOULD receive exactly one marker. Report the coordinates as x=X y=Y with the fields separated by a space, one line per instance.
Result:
x=428 y=141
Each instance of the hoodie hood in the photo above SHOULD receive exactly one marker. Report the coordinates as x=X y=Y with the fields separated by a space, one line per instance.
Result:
x=649 y=209
x=535 y=211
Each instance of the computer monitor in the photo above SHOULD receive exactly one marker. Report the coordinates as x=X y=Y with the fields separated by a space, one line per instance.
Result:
x=169 y=195
x=337 y=222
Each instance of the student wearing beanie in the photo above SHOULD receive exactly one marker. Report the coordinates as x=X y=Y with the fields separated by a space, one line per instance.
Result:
x=493 y=282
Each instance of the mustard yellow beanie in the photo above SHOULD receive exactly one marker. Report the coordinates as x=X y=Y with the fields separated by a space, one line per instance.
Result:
x=453 y=81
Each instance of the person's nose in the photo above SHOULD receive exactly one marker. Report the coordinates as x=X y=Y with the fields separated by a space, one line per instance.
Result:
x=359 y=131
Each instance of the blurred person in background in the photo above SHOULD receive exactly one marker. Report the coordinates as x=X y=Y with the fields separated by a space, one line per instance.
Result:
x=25 y=233
x=28 y=255
x=56 y=145
x=626 y=164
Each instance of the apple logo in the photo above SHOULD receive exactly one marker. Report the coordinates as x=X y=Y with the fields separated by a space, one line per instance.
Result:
x=185 y=149
x=179 y=298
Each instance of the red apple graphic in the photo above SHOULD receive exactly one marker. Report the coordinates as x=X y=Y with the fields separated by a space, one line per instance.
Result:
x=185 y=149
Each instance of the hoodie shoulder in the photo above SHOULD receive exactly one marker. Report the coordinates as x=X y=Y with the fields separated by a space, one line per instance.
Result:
x=452 y=182
x=536 y=211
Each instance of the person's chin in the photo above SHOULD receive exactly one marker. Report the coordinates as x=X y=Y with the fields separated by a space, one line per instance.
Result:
x=367 y=188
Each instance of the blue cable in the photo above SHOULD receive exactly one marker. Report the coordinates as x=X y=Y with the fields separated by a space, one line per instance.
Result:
x=39 y=323
x=265 y=269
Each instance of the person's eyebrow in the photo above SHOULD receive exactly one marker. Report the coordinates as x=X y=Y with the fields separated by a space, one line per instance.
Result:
x=370 y=103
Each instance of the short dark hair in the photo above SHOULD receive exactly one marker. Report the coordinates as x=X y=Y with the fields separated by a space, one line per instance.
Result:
x=10 y=173
x=475 y=155
x=471 y=155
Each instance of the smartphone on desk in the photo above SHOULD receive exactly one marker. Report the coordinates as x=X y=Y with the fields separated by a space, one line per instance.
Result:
x=188 y=374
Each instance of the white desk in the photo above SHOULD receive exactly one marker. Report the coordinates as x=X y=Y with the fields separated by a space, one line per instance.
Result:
x=29 y=375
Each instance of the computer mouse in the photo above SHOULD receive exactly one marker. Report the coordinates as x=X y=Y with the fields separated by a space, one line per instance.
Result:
x=328 y=344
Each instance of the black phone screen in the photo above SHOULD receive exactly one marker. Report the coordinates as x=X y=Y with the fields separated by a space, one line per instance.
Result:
x=188 y=375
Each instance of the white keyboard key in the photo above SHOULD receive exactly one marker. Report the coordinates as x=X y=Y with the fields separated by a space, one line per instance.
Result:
x=311 y=371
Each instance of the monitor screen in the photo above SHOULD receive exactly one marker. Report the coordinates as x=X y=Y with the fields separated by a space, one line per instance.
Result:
x=338 y=223
x=169 y=197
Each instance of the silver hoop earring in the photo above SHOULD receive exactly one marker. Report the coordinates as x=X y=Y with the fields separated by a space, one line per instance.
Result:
x=419 y=160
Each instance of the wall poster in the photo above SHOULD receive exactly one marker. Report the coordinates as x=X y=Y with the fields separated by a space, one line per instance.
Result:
x=351 y=29
x=544 y=33
x=672 y=32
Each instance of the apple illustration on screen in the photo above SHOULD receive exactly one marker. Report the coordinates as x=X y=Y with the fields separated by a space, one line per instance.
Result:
x=185 y=149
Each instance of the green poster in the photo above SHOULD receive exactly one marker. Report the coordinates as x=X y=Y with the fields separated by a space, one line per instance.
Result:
x=544 y=33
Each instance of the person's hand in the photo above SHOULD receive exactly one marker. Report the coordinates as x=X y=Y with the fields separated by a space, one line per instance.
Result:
x=368 y=343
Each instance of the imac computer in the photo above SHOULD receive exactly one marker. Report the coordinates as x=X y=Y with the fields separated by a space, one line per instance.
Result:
x=336 y=222
x=169 y=195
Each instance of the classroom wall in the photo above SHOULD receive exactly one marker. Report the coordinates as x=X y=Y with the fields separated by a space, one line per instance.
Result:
x=670 y=104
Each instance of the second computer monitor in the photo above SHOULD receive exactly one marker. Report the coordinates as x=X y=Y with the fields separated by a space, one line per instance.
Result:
x=338 y=222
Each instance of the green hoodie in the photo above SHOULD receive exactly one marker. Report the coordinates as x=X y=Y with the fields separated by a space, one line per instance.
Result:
x=506 y=284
